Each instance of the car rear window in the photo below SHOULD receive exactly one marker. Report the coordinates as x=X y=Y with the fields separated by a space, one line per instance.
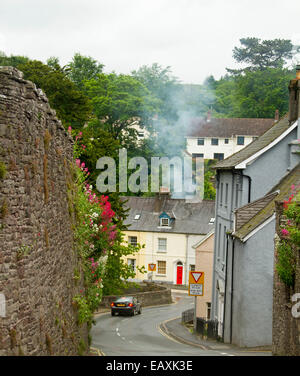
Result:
x=124 y=299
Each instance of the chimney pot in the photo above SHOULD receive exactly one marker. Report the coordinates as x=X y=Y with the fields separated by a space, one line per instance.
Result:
x=298 y=71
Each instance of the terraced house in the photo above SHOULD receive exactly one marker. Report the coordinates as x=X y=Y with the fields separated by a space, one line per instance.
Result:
x=168 y=228
x=212 y=138
x=248 y=184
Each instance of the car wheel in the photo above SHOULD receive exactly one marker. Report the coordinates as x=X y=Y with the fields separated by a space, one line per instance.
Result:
x=132 y=313
x=112 y=313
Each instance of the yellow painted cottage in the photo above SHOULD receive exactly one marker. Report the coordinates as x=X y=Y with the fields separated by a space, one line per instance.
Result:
x=168 y=228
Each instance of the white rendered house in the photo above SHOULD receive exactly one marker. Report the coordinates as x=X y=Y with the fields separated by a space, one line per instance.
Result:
x=213 y=138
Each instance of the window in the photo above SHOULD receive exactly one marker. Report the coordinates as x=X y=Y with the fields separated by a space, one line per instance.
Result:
x=208 y=310
x=164 y=221
x=200 y=141
x=137 y=216
x=221 y=195
x=162 y=244
x=192 y=268
x=212 y=221
x=240 y=140
x=226 y=194
x=219 y=240
x=215 y=141
x=197 y=155
x=226 y=141
x=132 y=263
x=132 y=240
x=219 y=156
x=161 y=267
x=237 y=196
x=224 y=244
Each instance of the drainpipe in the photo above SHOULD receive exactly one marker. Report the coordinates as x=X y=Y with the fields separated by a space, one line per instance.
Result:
x=231 y=298
x=186 y=258
x=225 y=288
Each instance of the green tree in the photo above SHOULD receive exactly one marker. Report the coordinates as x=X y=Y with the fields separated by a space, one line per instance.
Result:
x=261 y=54
x=259 y=94
x=71 y=105
x=83 y=68
x=12 y=61
x=164 y=86
x=119 y=100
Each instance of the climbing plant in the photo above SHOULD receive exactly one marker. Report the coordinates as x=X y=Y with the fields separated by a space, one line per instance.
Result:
x=289 y=242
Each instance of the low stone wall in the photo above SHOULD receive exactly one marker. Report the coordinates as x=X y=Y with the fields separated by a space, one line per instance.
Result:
x=156 y=296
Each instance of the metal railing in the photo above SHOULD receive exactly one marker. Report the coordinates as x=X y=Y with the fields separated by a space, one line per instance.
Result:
x=187 y=316
x=207 y=328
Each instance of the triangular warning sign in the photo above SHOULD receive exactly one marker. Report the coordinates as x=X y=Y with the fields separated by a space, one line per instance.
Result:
x=196 y=276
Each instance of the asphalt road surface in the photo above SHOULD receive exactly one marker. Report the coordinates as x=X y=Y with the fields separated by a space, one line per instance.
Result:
x=140 y=335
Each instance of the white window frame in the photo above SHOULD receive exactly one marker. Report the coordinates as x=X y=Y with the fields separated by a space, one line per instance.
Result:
x=162 y=248
x=165 y=225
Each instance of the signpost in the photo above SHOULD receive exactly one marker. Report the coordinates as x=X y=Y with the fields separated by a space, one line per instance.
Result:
x=196 y=288
x=196 y=283
x=151 y=269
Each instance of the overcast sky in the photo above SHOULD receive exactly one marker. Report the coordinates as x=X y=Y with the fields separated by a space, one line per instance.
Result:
x=194 y=37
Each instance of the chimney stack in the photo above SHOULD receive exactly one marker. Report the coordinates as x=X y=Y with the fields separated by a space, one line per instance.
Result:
x=298 y=71
x=276 y=115
x=208 y=116
x=294 y=88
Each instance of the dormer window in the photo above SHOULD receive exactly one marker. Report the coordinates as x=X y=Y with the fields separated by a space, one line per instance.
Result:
x=164 y=222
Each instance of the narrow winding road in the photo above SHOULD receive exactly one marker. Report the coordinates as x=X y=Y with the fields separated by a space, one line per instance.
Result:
x=140 y=335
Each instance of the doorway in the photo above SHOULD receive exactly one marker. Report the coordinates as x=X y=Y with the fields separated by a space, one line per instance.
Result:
x=179 y=273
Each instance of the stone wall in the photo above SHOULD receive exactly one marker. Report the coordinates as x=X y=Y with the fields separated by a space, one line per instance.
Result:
x=156 y=295
x=286 y=328
x=37 y=261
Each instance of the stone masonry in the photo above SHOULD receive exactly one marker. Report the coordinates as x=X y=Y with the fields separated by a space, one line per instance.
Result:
x=37 y=260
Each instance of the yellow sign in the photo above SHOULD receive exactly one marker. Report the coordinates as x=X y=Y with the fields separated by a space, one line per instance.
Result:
x=196 y=283
x=152 y=267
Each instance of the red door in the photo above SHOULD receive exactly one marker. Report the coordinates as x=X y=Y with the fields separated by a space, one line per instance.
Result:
x=179 y=275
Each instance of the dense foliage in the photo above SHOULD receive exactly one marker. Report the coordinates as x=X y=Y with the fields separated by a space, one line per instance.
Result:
x=289 y=242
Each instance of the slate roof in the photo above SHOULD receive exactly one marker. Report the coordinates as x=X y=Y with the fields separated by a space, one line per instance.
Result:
x=188 y=218
x=264 y=140
x=264 y=208
x=228 y=127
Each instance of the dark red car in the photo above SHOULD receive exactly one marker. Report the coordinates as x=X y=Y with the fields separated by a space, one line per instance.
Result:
x=126 y=305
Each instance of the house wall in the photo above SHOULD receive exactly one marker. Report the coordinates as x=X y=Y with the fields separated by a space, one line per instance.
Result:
x=204 y=263
x=208 y=150
x=179 y=249
x=265 y=172
x=252 y=299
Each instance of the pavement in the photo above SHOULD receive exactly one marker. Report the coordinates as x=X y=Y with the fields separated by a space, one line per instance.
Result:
x=184 y=334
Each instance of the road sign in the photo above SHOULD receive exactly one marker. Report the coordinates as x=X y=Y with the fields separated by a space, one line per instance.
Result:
x=196 y=283
x=151 y=267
